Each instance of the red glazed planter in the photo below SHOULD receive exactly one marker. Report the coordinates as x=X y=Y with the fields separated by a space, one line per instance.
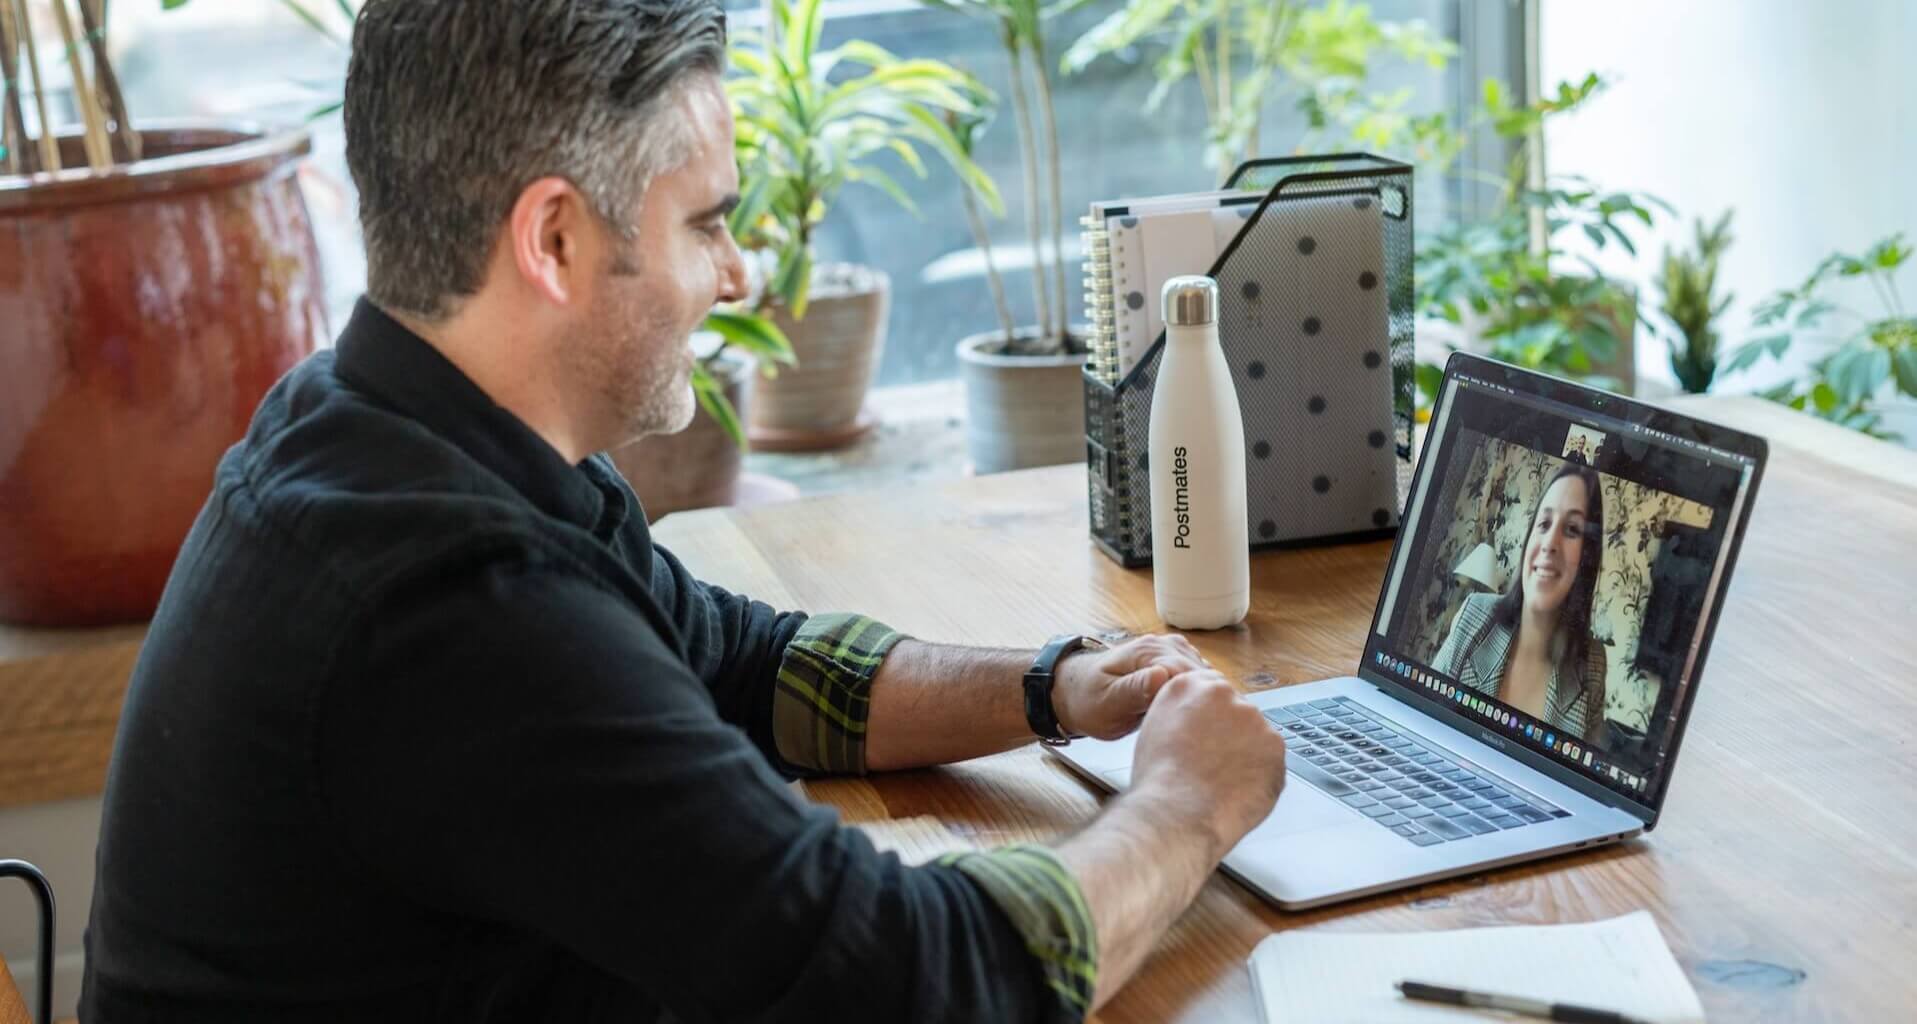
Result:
x=144 y=311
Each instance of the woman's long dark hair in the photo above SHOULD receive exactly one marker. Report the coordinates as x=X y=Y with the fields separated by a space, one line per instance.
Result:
x=1574 y=619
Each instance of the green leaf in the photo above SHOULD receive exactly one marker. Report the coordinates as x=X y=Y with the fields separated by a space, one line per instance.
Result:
x=1430 y=378
x=752 y=204
x=712 y=398
x=1858 y=371
x=1136 y=20
x=1904 y=365
x=792 y=282
x=754 y=334
x=883 y=182
x=1823 y=397
x=1743 y=357
x=1888 y=254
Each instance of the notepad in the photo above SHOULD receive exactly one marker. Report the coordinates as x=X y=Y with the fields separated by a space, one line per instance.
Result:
x=1329 y=977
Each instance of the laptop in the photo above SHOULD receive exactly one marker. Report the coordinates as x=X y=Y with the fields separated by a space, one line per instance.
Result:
x=1455 y=748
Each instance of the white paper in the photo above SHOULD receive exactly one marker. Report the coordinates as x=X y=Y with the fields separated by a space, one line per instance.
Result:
x=1329 y=977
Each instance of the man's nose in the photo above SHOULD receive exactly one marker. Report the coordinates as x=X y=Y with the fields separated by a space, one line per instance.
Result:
x=732 y=274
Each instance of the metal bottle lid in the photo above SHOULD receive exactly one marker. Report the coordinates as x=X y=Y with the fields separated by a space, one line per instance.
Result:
x=1190 y=301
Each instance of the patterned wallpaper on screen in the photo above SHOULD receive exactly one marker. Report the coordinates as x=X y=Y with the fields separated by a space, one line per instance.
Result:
x=1492 y=502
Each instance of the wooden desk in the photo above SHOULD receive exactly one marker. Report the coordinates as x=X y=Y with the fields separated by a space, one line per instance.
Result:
x=1785 y=871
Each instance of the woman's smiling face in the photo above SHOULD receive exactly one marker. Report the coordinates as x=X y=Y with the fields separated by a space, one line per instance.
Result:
x=1555 y=548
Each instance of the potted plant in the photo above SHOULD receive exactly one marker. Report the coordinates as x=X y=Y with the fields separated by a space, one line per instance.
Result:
x=1247 y=54
x=1691 y=305
x=1023 y=385
x=1509 y=283
x=805 y=130
x=1862 y=366
x=127 y=369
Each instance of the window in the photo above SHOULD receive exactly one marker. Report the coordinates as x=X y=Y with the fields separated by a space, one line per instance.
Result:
x=269 y=67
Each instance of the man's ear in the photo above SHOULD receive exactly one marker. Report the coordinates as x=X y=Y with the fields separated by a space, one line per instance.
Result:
x=546 y=237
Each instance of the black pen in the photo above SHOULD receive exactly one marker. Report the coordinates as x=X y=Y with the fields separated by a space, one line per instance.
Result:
x=1512 y=1004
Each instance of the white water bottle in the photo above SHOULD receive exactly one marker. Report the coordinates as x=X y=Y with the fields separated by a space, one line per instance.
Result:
x=1201 y=558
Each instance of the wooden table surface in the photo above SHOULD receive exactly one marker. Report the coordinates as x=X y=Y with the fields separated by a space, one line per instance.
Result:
x=1784 y=874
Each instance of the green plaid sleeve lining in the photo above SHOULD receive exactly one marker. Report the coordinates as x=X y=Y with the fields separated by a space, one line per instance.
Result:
x=1043 y=900
x=823 y=693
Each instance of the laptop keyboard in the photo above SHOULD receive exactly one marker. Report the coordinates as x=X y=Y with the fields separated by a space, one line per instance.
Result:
x=1420 y=793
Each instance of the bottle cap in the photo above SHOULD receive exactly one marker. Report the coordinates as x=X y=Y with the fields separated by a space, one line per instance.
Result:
x=1190 y=301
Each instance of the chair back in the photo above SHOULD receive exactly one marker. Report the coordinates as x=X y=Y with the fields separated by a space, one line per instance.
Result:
x=11 y=1009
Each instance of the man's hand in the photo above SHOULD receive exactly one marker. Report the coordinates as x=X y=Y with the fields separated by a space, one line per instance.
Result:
x=1207 y=752
x=1104 y=694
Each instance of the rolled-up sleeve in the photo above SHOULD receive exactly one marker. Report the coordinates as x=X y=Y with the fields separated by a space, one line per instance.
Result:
x=1042 y=899
x=823 y=696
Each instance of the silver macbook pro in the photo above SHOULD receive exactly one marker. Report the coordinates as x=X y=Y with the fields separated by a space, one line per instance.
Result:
x=1534 y=655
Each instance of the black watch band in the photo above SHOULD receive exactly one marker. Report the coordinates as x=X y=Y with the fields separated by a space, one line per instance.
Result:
x=1039 y=713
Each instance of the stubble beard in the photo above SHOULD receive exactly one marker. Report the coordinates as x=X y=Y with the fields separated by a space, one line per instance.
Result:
x=642 y=371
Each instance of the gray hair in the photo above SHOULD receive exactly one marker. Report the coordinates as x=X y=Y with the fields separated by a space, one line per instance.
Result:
x=453 y=107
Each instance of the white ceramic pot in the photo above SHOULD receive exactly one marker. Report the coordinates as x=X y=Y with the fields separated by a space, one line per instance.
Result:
x=1021 y=411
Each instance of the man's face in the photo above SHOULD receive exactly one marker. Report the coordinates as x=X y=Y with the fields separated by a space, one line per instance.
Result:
x=652 y=292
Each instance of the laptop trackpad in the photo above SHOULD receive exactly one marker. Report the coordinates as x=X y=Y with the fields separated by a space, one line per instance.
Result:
x=1302 y=807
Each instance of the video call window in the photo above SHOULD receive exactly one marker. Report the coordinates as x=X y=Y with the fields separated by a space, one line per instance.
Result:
x=1558 y=577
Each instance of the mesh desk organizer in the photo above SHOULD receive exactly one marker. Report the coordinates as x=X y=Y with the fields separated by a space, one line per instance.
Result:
x=1315 y=319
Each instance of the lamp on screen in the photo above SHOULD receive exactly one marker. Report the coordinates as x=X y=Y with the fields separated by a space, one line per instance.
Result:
x=1480 y=568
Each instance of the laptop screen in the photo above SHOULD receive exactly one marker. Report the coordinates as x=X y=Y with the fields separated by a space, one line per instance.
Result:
x=1558 y=568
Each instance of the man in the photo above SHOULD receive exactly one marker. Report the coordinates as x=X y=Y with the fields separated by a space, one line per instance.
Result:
x=426 y=728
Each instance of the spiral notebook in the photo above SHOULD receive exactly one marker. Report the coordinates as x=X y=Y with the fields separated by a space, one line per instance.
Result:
x=1621 y=964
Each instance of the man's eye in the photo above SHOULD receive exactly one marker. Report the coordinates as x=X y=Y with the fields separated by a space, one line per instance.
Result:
x=714 y=229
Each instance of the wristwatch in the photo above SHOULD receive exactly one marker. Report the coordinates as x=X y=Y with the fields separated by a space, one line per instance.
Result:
x=1039 y=713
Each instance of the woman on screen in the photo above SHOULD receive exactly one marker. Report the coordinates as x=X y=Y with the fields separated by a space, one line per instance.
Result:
x=1531 y=647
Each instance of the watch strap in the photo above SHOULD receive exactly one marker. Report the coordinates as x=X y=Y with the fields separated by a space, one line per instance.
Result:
x=1040 y=714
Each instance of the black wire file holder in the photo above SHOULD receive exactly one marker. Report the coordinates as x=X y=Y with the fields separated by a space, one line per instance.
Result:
x=1320 y=345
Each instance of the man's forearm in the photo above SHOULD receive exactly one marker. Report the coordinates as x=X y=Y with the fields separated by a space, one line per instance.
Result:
x=1139 y=865
x=935 y=704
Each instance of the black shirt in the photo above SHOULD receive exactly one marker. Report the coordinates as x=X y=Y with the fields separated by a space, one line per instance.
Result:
x=426 y=729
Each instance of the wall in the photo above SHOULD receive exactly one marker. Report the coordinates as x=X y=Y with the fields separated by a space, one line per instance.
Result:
x=1801 y=116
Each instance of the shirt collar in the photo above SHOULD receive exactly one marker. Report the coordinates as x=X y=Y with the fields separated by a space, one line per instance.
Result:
x=378 y=355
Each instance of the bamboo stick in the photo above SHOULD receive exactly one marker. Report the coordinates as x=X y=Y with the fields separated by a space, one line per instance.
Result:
x=13 y=121
x=99 y=151
x=49 y=145
x=93 y=19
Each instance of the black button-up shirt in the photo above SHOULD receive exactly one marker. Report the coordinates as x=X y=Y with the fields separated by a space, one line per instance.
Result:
x=426 y=729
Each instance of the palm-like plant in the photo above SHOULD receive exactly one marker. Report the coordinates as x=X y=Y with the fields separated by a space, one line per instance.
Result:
x=1020 y=25
x=1692 y=304
x=805 y=130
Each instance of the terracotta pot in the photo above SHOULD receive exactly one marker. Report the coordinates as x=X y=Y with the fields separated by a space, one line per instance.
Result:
x=819 y=403
x=696 y=468
x=144 y=311
x=1021 y=411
